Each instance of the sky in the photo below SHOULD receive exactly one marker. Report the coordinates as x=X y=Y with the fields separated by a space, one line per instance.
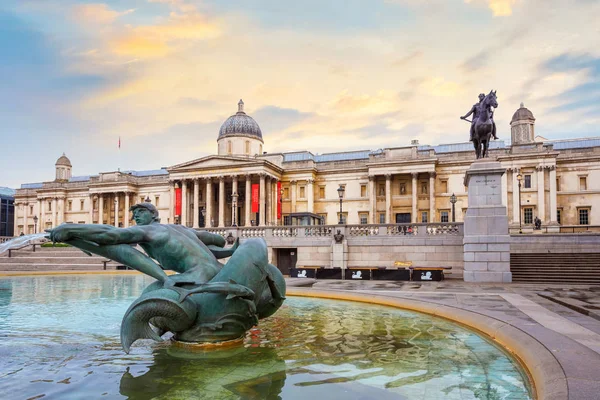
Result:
x=317 y=75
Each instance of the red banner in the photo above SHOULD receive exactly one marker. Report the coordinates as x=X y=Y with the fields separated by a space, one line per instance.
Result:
x=255 y=197
x=177 y=201
x=278 y=199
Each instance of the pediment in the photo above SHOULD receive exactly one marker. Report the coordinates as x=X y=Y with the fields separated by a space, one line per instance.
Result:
x=212 y=162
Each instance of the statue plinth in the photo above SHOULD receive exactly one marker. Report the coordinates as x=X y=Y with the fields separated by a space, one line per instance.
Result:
x=486 y=239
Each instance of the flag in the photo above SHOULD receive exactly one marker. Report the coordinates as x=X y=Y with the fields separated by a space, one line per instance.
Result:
x=119 y=142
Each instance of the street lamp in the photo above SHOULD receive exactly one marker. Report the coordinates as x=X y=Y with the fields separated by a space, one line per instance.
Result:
x=281 y=204
x=519 y=179
x=147 y=199
x=453 y=201
x=234 y=196
x=35 y=220
x=341 y=191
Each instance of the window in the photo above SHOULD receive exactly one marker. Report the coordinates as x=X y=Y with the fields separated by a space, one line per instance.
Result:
x=287 y=220
x=382 y=218
x=321 y=192
x=363 y=190
x=156 y=200
x=423 y=187
x=49 y=206
x=381 y=191
x=343 y=218
x=141 y=199
x=286 y=192
x=424 y=217
x=363 y=218
x=229 y=147
x=558 y=215
x=582 y=183
x=323 y=217
x=444 y=215
x=558 y=184
x=247 y=147
x=30 y=209
x=584 y=216
x=70 y=205
x=95 y=204
x=444 y=186
x=260 y=148
x=402 y=188
x=302 y=192
x=81 y=204
x=528 y=215
x=527 y=184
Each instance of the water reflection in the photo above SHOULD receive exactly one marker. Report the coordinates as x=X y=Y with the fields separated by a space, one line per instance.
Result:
x=59 y=337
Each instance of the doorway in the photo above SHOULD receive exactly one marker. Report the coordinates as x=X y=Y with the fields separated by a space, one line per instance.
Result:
x=403 y=218
x=286 y=259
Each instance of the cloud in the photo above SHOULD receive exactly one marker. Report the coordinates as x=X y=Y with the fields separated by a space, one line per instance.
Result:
x=380 y=103
x=180 y=5
x=500 y=8
x=96 y=13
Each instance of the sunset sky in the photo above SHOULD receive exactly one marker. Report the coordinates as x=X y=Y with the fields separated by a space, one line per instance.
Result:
x=317 y=75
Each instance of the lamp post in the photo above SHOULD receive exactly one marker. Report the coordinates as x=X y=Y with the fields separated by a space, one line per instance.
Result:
x=453 y=201
x=281 y=204
x=341 y=191
x=35 y=220
x=519 y=179
x=234 y=196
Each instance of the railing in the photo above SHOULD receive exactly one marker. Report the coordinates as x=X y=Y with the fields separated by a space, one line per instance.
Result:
x=349 y=231
x=529 y=229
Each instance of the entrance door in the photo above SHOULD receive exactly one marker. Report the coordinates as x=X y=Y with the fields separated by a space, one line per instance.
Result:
x=403 y=218
x=286 y=259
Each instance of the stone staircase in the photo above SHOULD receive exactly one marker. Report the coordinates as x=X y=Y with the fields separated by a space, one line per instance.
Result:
x=52 y=259
x=573 y=268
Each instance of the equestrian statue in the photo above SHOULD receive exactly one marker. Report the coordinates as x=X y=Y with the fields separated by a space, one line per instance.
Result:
x=483 y=127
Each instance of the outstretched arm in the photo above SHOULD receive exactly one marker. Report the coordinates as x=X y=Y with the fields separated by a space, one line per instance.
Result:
x=469 y=113
x=210 y=238
x=99 y=234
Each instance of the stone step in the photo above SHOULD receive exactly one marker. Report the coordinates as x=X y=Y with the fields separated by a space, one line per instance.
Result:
x=53 y=260
x=55 y=267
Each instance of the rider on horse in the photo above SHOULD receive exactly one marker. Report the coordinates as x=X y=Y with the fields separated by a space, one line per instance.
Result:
x=475 y=110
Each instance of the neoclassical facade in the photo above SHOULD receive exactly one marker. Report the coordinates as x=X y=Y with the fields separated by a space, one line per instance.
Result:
x=406 y=184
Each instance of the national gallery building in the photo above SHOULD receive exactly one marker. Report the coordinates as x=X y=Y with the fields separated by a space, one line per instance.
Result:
x=244 y=185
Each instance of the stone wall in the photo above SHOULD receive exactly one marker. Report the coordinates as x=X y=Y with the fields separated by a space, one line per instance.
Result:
x=559 y=243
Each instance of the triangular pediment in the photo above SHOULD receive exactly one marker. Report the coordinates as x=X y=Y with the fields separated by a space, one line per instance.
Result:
x=211 y=162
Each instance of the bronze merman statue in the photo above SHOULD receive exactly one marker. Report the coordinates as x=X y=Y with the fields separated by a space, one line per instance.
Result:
x=206 y=301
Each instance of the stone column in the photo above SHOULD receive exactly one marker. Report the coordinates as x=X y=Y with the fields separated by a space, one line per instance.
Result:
x=552 y=177
x=126 y=211
x=101 y=208
x=541 y=194
x=504 y=181
x=184 y=203
x=221 y=201
x=293 y=188
x=25 y=211
x=432 y=197
x=248 y=205
x=60 y=211
x=486 y=239
x=415 y=176
x=262 y=207
x=268 y=202
x=117 y=209
x=515 y=191
x=172 y=202
x=54 y=212
x=196 y=203
x=42 y=220
x=372 y=199
x=209 y=196
x=388 y=198
x=91 y=209
x=310 y=195
x=234 y=189
x=273 y=199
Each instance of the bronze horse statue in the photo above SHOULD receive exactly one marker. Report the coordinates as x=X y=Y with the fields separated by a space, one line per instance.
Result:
x=484 y=125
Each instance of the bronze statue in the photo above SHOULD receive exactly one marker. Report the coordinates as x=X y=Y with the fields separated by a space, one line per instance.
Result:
x=206 y=301
x=483 y=126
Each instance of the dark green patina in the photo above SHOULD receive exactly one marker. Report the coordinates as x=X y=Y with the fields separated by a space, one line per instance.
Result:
x=206 y=301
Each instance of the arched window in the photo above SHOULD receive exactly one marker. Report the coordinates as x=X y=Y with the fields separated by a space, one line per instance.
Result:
x=229 y=147
x=247 y=147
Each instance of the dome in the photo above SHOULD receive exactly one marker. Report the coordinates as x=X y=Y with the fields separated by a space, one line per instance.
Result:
x=240 y=124
x=522 y=114
x=63 y=160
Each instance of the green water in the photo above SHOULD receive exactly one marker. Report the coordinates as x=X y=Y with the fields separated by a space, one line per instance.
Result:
x=59 y=338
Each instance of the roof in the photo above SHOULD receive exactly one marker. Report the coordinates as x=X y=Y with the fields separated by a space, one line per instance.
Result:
x=32 y=185
x=7 y=192
x=240 y=123
x=149 y=172
x=455 y=147
x=343 y=156
x=79 y=178
x=63 y=160
x=522 y=114
x=574 y=143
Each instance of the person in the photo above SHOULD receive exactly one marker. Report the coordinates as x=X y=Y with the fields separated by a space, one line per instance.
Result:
x=475 y=110
x=175 y=247
x=538 y=223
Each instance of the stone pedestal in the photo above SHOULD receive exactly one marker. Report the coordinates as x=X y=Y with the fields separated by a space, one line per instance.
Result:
x=486 y=240
x=339 y=251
